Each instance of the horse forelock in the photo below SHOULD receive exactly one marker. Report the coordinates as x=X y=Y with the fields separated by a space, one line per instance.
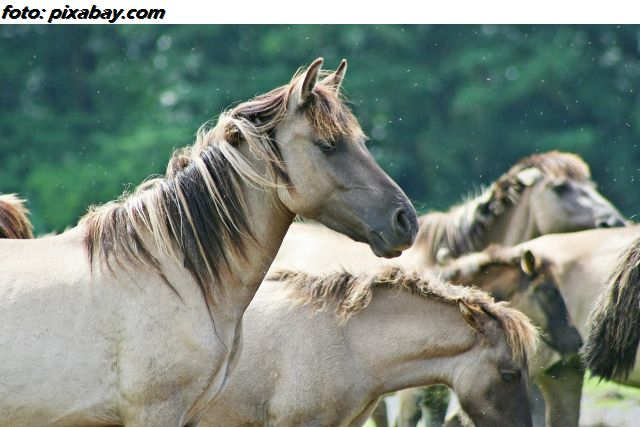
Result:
x=14 y=218
x=463 y=227
x=197 y=214
x=347 y=294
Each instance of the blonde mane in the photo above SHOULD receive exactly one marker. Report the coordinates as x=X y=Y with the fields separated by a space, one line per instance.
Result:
x=197 y=214
x=463 y=227
x=14 y=218
x=347 y=294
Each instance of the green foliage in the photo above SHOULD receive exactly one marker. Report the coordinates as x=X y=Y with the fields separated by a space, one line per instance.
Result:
x=88 y=111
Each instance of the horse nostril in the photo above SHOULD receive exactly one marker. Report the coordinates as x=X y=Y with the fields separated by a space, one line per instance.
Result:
x=601 y=223
x=401 y=222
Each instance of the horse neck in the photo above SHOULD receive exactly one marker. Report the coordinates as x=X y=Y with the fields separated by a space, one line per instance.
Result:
x=270 y=221
x=515 y=225
x=405 y=341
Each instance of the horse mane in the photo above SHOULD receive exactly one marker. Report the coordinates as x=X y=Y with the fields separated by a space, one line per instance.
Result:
x=348 y=294
x=613 y=334
x=462 y=229
x=197 y=213
x=14 y=218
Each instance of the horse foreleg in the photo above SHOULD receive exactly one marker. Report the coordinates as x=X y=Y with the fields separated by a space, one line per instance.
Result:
x=561 y=386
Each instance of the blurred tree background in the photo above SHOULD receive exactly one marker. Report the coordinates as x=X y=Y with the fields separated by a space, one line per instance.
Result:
x=88 y=111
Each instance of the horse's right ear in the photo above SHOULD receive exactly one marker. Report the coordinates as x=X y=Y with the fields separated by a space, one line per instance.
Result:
x=528 y=263
x=472 y=315
x=308 y=81
x=334 y=80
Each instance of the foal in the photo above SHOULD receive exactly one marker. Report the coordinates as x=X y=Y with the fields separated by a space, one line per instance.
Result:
x=322 y=350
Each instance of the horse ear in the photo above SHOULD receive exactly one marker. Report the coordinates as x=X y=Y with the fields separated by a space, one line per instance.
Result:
x=443 y=256
x=309 y=80
x=528 y=263
x=334 y=80
x=529 y=176
x=472 y=315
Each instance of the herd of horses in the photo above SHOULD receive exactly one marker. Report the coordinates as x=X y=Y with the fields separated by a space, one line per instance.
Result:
x=197 y=300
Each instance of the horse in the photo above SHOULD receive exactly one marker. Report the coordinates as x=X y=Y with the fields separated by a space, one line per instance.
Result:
x=578 y=263
x=515 y=275
x=612 y=337
x=543 y=193
x=322 y=349
x=133 y=317
x=14 y=218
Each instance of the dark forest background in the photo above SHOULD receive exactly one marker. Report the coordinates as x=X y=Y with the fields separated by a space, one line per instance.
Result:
x=88 y=111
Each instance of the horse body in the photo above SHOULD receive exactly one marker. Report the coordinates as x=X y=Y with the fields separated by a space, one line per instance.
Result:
x=134 y=316
x=325 y=369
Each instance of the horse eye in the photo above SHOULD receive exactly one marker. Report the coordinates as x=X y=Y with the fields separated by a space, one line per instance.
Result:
x=561 y=188
x=326 y=146
x=509 y=376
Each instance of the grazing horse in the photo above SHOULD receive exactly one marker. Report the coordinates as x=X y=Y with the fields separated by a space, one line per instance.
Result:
x=14 y=218
x=133 y=317
x=516 y=276
x=321 y=350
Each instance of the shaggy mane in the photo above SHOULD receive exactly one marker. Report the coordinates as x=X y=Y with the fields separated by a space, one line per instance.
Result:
x=14 y=218
x=196 y=214
x=462 y=229
x=348 y=294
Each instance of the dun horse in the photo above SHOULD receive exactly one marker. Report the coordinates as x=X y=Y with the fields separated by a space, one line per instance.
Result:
x=134 y=316
x=14 y=218
x=321 y=350
x=541 y=194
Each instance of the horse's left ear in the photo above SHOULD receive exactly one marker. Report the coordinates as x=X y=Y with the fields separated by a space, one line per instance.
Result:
x=334 y=79
x=308 y=81
x=529 y=176
x=474 y=316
